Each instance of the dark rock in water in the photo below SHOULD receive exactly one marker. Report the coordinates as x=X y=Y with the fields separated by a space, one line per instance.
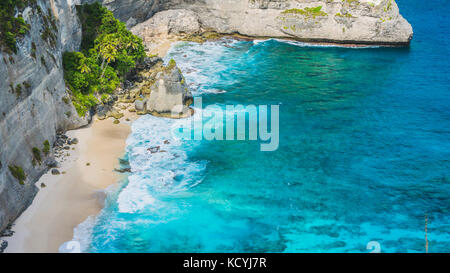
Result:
x=55 y=172
x=166 y=142
x=123 y=161
x=125 y=170
x=51 y=162
x=3 y=245
x=154 y=149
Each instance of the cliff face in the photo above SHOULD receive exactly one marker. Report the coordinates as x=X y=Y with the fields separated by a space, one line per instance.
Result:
x=130 y=11
x=337 y=21
x=32 y=95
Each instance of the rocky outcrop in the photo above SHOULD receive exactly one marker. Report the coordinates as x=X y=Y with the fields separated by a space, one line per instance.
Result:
x=130 y=11
x=169 y=96
x=34 y=103
x=159 y=90
x=335 y=21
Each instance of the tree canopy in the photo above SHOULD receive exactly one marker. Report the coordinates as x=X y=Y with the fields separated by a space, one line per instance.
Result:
x=108 y=52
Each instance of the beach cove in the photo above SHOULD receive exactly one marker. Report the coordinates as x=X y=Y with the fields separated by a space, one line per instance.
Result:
x=362 y=160
x=69 y=198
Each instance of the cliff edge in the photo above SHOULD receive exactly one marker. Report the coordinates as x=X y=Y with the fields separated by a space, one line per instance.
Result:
x=371 y=22
x=34 y=102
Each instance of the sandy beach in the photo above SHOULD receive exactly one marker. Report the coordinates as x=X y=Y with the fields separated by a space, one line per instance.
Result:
x=69 y=198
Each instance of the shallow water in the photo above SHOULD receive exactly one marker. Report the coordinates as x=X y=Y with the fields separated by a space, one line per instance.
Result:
x=364 y=152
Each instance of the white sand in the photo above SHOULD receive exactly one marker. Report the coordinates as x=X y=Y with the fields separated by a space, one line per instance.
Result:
x=68 y=199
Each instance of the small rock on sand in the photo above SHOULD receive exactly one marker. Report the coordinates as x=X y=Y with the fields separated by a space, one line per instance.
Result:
x=3 y=245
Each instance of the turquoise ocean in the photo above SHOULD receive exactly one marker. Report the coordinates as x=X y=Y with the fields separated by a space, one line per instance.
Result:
x=364 y=152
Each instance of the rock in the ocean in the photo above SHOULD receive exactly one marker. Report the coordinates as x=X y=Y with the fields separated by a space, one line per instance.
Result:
x=125 y=170
x=154 y=150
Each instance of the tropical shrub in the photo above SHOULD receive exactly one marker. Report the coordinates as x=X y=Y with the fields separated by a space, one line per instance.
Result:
x=108 y=52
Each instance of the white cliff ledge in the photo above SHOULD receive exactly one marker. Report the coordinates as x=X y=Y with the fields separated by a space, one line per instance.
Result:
x=335 y=21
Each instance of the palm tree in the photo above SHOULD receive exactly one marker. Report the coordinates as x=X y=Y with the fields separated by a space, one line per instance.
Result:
x=84 y=68
x=108 y=49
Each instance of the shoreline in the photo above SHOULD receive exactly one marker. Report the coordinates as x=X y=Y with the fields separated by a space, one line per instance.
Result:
x=159 y=45
x=78 y=192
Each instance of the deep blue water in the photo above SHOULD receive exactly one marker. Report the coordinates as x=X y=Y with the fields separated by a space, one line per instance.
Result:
x=364 y=152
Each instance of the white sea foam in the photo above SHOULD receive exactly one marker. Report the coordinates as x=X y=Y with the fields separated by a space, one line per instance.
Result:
x=214 y=91
x=82 y=235
x=159 y=165
x=303 y=44
x=200 y=56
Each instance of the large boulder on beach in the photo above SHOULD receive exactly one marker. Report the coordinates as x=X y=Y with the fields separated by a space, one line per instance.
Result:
x=51 y=162
x=3 y=245
x=170 y=96
x=164 y=92
x=140 y=105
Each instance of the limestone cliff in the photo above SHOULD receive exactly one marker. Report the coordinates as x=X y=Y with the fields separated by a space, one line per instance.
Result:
x=131 y=11
x=336 y=21
x=34 y=103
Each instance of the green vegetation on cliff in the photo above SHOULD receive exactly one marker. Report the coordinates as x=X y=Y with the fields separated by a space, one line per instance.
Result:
x=12 y=27
x=307 y=12
x=347 y=15
x=37 y=155
x=109 y=51
x=47 y=147
x=18 y=173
